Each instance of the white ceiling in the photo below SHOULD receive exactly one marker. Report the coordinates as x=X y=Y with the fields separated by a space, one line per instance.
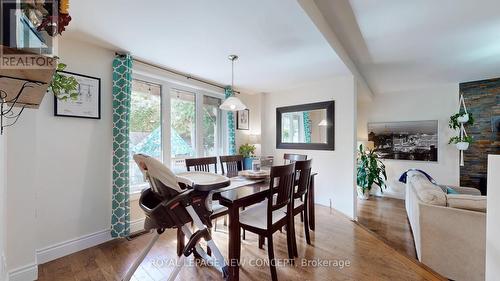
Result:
x=402 y=45
x=278 y=45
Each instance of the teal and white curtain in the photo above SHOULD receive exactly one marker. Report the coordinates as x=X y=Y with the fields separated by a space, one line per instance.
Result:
x=228 y=92
x=122 y=90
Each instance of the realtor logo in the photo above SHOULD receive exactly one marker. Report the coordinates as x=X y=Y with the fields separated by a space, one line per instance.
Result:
x=29 y=32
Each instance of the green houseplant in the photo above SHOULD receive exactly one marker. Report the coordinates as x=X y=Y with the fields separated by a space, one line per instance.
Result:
x=247 y=151
x=462 y=117
x=62 y=86
x=461 y=143
x=370 y=171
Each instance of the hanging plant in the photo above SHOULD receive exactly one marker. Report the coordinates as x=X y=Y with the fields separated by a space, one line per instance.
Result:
x=62 y=86
x=462 y=117
x=462 y=143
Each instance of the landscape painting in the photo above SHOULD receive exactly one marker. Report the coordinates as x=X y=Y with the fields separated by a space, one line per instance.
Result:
x=412 y=140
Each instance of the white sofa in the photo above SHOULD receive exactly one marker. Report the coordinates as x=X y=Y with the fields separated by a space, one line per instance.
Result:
x=449 y=230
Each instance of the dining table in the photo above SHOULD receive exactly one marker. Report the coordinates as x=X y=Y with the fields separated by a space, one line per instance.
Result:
x=245 y=194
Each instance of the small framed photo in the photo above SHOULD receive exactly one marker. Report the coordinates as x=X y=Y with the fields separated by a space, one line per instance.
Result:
x=88 y=103
x=243 y=119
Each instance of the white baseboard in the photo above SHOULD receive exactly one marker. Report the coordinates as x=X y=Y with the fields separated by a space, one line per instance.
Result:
x=26 y=273
x=72 y=246
x=137 y=225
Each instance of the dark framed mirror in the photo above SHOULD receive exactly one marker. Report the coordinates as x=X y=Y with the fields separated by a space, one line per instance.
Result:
x=306 y=126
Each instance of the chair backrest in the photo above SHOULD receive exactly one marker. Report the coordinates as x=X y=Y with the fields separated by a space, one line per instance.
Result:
x=281 y=184
x=293 y=157
x=163 y=181
x=201 y=164
x=302 y=177
x=234 y=164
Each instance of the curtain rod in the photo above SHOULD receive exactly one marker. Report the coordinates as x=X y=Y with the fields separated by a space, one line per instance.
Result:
x=189 y=77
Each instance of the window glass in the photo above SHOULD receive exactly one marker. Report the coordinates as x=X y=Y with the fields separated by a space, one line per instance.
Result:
x=183 y=127
x=145 y=133
x=211 y=122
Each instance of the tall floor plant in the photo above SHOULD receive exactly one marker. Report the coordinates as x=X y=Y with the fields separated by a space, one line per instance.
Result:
x=370 y=171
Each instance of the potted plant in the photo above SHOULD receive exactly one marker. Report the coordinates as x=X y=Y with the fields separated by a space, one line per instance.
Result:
x=247 y=151
x=461 y=143
x=460 y=118
x=370 y=171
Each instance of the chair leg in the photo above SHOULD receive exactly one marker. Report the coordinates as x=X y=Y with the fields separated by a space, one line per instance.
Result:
x=292 y=236
x=209 y=251
x=225 y=220
x=301 y=217
x=306 y=226
x=289 y=241
x=261 y=241
x=215 y=226
x=270 y=252
x=244 y=236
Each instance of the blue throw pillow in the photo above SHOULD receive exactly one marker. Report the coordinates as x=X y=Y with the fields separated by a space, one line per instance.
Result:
x=450 y=190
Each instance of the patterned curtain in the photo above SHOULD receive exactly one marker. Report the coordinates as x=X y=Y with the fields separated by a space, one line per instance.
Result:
x=122 y=89
x=307 y=127
x=230 y=125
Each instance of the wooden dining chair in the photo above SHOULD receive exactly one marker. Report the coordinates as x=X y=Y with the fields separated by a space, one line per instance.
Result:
x=290 y=157
x=273 y=213
x=300 y=196
x=233 y=163
x=202 y=164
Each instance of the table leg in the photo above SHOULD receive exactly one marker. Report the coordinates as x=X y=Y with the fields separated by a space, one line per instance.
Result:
x=180 y=242
x=234 y=243
x=311 y=204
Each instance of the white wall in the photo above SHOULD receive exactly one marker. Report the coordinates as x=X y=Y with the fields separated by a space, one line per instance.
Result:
x=437 y=103
x=253 y=104
x=60 y=168
x=335 y=180
x=3 y=182
x=493 y=217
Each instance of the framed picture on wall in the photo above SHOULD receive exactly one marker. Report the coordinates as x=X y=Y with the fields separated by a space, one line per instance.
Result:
x=88 y=102
x=243 y=119
x=413 y=140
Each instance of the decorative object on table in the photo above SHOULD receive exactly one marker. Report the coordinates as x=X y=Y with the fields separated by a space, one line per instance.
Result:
x=52 y=17
x=370 y=171
x=458 y=122
x=87 y=104
x=254 y=175
x=243 y=119
x=307 y=126
x=63 y=86
x=412 y=140
x=232 y=103
x=248 y=151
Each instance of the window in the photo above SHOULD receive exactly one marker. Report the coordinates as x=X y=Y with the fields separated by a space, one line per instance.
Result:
x=183 y=127
x=211 y=125
x=145 y=133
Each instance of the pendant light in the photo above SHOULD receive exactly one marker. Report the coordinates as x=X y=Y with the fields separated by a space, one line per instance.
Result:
x=232 y=103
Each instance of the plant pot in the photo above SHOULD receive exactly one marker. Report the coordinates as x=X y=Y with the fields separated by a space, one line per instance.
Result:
x=247 y=163
x=463 y=119
x=462 y=145
x=363 y=195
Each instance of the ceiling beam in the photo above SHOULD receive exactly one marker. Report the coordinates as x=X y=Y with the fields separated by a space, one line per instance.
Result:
x=312 y=10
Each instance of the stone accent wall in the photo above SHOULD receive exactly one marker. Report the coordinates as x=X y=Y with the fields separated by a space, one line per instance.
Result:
x=482 y=99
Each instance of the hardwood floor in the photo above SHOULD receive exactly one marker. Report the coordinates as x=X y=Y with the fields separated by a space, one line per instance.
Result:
x=387 y=218
x=336 y=239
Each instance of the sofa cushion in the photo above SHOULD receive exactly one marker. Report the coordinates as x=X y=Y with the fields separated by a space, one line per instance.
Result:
x=467 y=202
x=430 y=193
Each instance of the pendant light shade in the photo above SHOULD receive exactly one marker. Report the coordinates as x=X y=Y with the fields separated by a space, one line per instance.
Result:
x=232 y=103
